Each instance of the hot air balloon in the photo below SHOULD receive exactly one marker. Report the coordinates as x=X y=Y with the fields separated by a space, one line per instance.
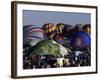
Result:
x=49 y=30
x=48 y=47
x=87 y=28
x=60 y=27
x=32 y=34
x=80 y=39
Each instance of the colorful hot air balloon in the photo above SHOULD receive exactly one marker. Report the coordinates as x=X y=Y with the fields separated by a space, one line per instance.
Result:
x=32 y=32
x=80 y=39
x=49 y=30
x=87 y=28
x=60 y=28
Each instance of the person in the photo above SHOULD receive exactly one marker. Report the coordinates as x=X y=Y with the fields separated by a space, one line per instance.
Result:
x=66 y=63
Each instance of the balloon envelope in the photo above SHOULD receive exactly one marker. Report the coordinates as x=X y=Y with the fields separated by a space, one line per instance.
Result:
x=80 y=39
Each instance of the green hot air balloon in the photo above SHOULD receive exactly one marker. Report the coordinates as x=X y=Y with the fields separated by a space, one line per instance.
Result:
x=46 y=47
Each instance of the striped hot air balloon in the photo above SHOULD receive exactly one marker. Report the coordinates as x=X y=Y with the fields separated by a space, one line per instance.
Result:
x=32 y=32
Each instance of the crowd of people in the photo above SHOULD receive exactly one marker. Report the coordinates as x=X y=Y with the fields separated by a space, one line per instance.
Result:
x=76 y=39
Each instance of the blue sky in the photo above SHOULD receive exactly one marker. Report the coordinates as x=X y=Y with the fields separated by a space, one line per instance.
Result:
x=31 y=17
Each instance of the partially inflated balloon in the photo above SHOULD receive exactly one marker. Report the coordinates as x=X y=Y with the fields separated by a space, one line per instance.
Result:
x=80 y=39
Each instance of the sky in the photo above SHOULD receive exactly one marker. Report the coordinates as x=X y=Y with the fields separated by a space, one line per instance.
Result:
x=39 y=18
